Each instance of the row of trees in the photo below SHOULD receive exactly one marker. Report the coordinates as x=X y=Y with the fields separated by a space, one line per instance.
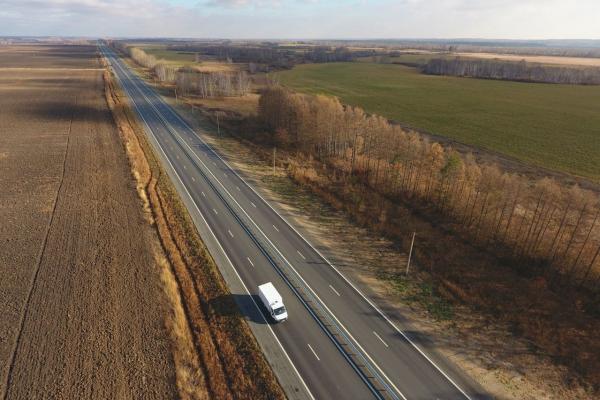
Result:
x=189 y=81
x=541 y=221
x=212 y=84
x=273 y=55
x=515 y=71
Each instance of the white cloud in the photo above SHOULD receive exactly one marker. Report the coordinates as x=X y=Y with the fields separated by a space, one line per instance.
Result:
x=303 y=18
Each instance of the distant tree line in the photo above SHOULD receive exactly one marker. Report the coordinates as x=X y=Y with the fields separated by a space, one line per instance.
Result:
x=540 y=223
x=189 y=81
x=273 y=56
x=514 y=71
x=556 y=51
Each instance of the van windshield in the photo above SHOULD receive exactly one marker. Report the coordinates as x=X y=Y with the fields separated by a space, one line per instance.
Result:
x=279 y=311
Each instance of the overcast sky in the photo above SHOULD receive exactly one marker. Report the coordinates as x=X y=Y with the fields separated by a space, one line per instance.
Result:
x=502 y=19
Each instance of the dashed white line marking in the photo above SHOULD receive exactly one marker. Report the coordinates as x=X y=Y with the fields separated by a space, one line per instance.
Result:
x=194 y=179
x=225 y=175
x=379 y=337
x=304 y=258
x=203 y=195
x=230 y=234
x=238 y=188
x=215 y=211
x=177 y=157
x=250 y=261
x=335 y=291
x=313 y=351
x=253 y=205
x=275 y=228
x=214 y=163
x=184 y=167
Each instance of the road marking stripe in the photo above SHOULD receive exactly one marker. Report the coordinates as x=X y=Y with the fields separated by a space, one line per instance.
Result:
x=230 y=234
x=176 y=115
x=304 y=258
x=250 y=261
x=275 y=228
x=379 y=337
x=313 y=351
x=238 y=188
x=253 y=205
x=225 y=175
x=203 y=195
x=215 y=211
x=194 y=179
x=335 y=291
x=184 y=167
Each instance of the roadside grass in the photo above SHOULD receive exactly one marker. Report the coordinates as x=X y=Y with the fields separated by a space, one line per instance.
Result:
x=551 y=126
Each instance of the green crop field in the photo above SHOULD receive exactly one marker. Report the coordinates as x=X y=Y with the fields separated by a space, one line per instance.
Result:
x=173 y=57
x=553 y=126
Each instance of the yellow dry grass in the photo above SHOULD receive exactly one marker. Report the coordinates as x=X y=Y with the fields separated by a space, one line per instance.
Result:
x=579 y=61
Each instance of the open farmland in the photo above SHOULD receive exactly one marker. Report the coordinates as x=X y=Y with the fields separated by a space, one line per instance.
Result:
x=552 y=126
x=80 y=295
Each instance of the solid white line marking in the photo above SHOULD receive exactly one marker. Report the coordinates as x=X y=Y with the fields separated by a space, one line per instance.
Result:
x=275 y=228
x=250 y=261
x=215 y=237
x=335 y=291
x=177 y=116
x=304 y=258
x=379 y=337
x=313 y=351
x=253 y=205
x=230 y=234
x=215 y=211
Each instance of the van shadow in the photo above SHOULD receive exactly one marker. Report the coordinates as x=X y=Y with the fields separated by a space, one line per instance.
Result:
x=240 y=305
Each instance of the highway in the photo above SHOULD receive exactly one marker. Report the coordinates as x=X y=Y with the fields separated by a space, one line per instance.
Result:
x=336 y=343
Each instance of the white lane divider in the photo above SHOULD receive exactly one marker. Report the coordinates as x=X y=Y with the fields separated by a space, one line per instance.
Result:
x=379 y=337
x=334 y=291
x=275 y=228
x=253 y=205
x=313 y=351
x=301 y=255
x=230 y=234
x=250 y=261
x=215 y=211
x=203 y=194
x=193 y=179
x=238 y=188
x=184 y=167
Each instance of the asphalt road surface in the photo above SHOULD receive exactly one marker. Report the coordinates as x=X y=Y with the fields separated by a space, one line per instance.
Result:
x=337 y=342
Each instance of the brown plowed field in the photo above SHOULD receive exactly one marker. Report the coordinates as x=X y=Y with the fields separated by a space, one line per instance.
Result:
x=80 y=297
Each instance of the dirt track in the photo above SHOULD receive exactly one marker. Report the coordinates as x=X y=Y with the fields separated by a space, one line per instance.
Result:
x=82 y=307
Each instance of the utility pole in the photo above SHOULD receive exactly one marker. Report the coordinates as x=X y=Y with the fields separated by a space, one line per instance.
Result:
x=412 y=243
x=218 y=126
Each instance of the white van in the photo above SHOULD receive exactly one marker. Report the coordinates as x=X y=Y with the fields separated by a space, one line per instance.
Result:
x=272 y=301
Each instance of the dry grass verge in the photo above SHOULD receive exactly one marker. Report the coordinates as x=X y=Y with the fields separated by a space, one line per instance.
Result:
x=215 y=352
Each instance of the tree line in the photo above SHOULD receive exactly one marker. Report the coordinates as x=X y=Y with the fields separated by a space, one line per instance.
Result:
x=551 y=226
x=189 y=81
x=274 y=56
x=514 y=71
